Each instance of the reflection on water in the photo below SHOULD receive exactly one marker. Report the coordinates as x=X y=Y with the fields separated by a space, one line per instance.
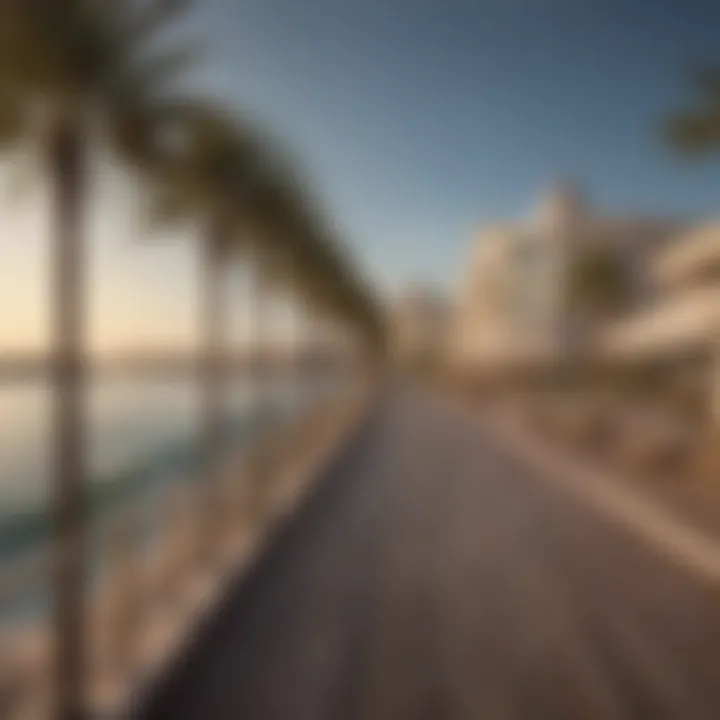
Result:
x=140 y=431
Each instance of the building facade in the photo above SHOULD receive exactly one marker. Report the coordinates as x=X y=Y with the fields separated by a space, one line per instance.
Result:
x=680 y=321
x=517 y=303
x=682 y=311
x=419 y=327
x=508 y=306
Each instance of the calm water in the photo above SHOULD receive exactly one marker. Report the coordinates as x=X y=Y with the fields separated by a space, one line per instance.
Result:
x=140 y=432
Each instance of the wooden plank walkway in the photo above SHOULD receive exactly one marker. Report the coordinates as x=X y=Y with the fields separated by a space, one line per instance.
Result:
x=433 y=576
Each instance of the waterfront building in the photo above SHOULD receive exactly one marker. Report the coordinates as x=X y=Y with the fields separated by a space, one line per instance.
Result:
x=517 y=303
x=680 y=322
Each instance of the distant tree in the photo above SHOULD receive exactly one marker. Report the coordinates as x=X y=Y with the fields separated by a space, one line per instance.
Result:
x=599 y=284
x=696 y=131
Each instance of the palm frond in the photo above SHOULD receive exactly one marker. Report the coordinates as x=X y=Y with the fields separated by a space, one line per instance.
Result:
x=696 y=131
x=694 y=134
x=156 y=75
x=142 y=26
x=706 y=80
x=32 y=42
x=164 y=209
x=13 y=120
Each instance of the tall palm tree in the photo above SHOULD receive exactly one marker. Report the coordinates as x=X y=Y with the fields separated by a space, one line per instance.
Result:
x=224 y=175
x=326 y=281
x=302 y=255
x=67 y=70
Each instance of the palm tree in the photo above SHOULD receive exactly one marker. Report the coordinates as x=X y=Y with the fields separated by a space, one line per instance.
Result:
x=302 y=256
x=600 y=288
x=697 y=131
x=306 y=255
x=325 y=280
x=224 y=175
x=67 y=70
x=599 y=283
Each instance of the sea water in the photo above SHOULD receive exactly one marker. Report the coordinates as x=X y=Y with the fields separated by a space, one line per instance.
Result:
x=142 y=437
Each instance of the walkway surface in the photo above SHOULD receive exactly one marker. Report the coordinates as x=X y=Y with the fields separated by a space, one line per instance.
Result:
x=434 y=576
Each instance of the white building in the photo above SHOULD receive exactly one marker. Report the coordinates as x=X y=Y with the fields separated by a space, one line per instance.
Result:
x=508 y=307
x=683 y=311
x=515 y=306
x=681 y=319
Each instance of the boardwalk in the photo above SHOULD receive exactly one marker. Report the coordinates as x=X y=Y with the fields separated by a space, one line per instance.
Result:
x=435 y=577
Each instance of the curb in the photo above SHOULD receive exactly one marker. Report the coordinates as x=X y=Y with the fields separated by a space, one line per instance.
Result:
x=608 y=495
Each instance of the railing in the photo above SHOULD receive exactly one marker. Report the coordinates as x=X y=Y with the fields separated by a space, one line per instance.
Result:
x=158 y=563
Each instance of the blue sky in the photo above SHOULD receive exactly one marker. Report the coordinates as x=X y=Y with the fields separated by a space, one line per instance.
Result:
x=420 y=119
x=417 y=121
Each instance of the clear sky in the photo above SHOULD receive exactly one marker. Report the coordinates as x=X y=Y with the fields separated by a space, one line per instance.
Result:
x=419 y=120
x=423 y=118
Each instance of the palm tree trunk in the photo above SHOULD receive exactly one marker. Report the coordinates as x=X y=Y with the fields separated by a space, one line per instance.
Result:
x=296 y=350
x=295 y=333
x=259 y=364
x=212 y=373
x=66 y=164
x=715 y=382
